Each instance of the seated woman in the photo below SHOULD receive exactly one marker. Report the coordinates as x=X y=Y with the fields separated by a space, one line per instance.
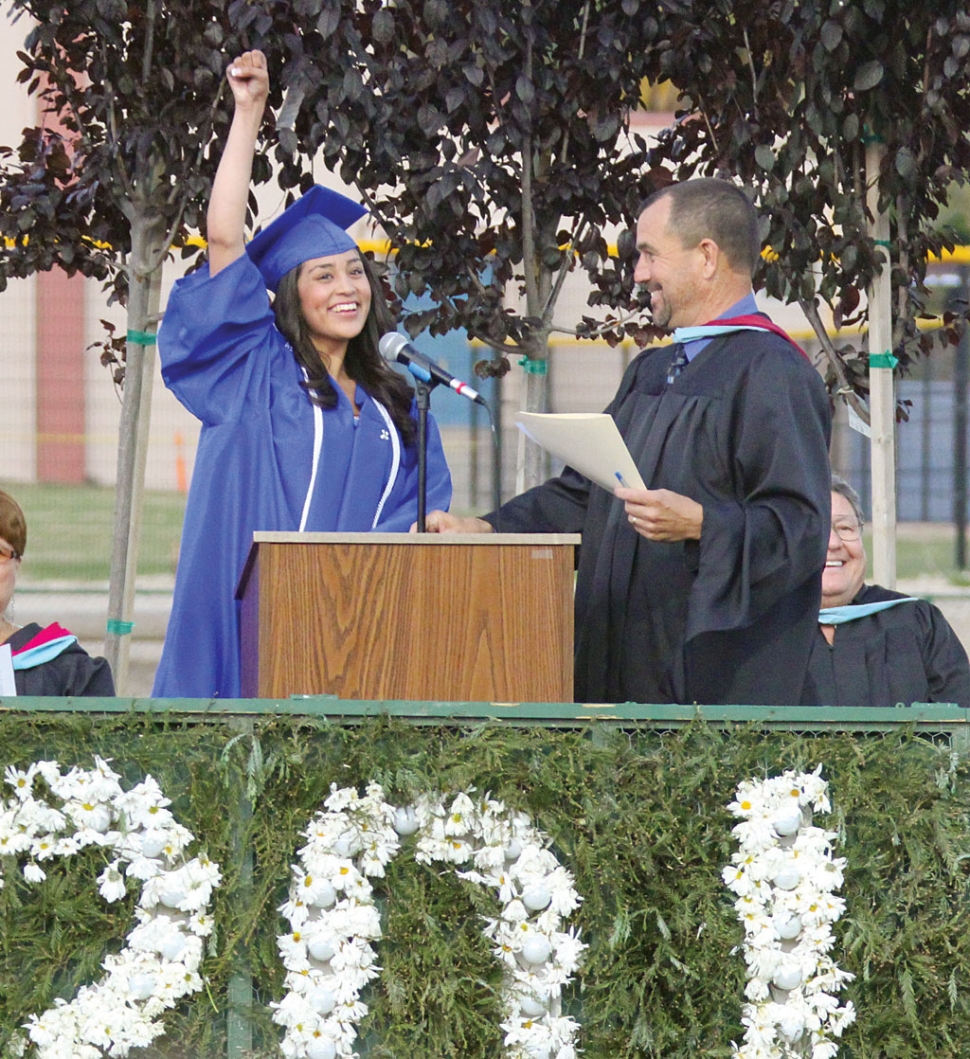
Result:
x=44 y=661
x=876 y=647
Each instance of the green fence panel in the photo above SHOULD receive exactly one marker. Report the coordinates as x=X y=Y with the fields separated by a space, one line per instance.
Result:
x=634 y=801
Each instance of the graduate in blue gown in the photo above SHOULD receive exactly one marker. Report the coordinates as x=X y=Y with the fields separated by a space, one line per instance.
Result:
x=304 y=425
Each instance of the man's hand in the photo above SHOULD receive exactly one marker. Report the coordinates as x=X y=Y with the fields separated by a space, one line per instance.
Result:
x=662 y=515
x=444 y=522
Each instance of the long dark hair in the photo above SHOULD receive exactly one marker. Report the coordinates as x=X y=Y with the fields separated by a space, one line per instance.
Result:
x=363 y=361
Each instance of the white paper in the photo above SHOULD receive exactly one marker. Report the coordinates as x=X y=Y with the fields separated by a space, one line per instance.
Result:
x=589 y=442
x=7 y=685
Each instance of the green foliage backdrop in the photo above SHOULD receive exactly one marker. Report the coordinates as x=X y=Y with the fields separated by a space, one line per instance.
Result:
x=638 y=815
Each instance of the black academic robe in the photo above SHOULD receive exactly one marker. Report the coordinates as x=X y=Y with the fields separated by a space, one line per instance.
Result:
x=905 y=654
x=73 y=672
x=729 y=619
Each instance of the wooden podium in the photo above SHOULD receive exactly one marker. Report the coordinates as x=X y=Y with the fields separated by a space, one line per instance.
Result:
x=427 y=616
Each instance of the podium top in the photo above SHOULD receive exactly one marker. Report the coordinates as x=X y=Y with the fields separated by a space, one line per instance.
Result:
x=409 y=540
x=534 y=539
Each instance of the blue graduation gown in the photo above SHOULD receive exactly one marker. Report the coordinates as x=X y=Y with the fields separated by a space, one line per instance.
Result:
x=224 y=359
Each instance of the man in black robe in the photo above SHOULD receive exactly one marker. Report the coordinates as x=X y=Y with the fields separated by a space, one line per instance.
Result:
x=704 y=587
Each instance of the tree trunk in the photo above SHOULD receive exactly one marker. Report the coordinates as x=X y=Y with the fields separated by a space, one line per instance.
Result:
x=530 y=465
x=143 y=303
x=882 y=401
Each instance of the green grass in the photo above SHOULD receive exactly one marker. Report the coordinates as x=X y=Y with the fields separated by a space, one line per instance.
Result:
x=69 y=536
x=69 y=531
x=924 y=550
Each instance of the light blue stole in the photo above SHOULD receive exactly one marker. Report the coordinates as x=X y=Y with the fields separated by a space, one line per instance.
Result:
x=854 y=611
x=37 y=656
x=693 y=334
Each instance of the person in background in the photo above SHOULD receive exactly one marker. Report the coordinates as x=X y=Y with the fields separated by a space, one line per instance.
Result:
x=44 y=661
x=704 y=586
x=875 y=647
x=305 y=426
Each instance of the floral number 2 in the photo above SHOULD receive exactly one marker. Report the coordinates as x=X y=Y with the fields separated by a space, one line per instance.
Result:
x=159 y=962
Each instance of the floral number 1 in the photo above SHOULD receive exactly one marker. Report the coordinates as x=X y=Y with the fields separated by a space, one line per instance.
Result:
x=785 y=877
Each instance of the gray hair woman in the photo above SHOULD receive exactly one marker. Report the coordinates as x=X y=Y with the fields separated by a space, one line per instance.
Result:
x=876 y=647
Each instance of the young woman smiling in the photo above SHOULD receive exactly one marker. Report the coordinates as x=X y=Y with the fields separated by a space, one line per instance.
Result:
x=304 y=425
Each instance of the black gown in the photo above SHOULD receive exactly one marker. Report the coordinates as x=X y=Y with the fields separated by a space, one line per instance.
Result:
x=73 y=672
x=744 y=430
x=905 y=654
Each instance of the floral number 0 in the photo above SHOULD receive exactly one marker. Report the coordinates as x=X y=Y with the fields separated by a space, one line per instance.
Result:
x=160 y=960
x=328 y=955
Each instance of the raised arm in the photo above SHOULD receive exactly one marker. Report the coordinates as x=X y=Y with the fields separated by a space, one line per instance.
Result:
x=226 y=215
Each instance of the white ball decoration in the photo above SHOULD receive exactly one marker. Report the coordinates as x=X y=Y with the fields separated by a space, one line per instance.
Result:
x=788 y=926
x=324 y=896
x=513 y=849
x=536 y=899
x=172 y=945
x=141 y=986
x=531 y=1005
x=791 y=1024
x=405 y=820
x=787 y=877
x=152 y=845
x=321 y=1000
x=343 y=847
x=788 y=976
x=321 y=950
x=173 y=895
x=787 y=821
x=321 y=1048
x=536 y=949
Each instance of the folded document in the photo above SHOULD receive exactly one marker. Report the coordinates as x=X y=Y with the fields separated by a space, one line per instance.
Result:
x=589 y=442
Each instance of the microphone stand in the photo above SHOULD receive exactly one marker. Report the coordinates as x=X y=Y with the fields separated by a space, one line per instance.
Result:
x=422 y=393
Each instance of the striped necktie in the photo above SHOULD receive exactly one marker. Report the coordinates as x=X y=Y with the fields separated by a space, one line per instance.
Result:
x=678 y=363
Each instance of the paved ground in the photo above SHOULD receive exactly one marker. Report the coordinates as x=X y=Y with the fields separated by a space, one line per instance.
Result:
x=82 y=609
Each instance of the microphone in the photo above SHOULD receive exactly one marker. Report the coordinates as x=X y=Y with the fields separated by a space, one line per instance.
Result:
x=397 y=349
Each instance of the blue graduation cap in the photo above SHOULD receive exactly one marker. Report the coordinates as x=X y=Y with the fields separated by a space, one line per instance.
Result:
x=312 y=227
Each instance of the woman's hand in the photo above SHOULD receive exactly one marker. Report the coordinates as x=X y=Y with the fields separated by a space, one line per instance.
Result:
x=445 y=522
x=249 y=79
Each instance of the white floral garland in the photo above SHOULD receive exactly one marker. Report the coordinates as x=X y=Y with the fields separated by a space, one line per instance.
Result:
x=785 y=876
x=328 y=955
x=159 y=964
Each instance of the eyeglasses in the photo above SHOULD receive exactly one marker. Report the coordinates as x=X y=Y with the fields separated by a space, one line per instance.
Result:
x=847 y=531
x=7 y=553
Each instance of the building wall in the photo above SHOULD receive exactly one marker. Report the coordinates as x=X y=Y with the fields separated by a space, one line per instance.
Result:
x=18 y=424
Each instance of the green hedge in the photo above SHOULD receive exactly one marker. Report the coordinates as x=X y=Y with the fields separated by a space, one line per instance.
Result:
x=638 y=815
